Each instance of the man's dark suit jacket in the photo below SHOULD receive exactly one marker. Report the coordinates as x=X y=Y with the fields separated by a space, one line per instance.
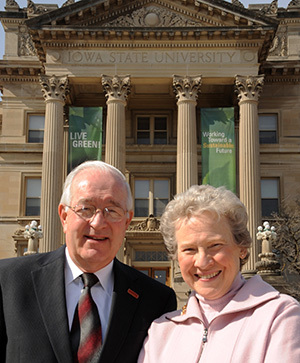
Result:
x=33 y=316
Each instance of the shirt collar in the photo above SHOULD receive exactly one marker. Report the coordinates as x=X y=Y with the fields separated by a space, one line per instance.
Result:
x=105 y=275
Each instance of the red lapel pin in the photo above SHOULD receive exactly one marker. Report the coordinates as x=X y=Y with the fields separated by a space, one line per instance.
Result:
x=132 y=293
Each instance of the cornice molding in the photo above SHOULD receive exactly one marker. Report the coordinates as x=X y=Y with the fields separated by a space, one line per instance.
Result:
x=12 y=21
x=18 y=79
x=21 y=148
x=288 y=21
x=281 y=71
x=159 y=38
x=282 y=79
x=280 y=149
x=10 y=72
x=295 y=79
x=118 y=35
x=153 y=45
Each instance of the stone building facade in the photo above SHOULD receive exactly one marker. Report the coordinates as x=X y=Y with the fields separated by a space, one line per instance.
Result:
x=152 y=65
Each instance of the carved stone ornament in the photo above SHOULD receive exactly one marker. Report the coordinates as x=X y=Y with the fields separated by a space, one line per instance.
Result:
x=149 y=224
x=186 y=88
x=19 y=232
x=237 y=3
x=31 y=8
x=11 y=5
x=270 y=9
x=33 y=233
x=116 y=87
x=152 y=16
x=68 y=2
x=294 y=5
x=268 y=265
x=279 y=45
x=26 y=46
x=17 y=236
x=37 y=9
x=248 y=88
x=54 y=87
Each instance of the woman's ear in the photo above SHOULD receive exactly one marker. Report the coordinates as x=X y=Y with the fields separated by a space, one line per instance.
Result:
x=243 y=253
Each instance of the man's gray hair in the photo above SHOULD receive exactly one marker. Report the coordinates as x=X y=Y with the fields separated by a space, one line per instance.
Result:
x=99 y=166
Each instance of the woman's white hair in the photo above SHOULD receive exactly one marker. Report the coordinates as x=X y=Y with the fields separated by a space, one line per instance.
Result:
x=205 y=198
x=99 y=166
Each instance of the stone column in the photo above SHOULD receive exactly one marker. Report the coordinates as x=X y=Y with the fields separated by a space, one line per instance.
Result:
x=54 y=90
x=116 y=90
x=248 y=90
x=186 y=90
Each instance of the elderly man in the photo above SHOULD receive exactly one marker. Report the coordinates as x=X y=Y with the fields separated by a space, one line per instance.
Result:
x=79 y=303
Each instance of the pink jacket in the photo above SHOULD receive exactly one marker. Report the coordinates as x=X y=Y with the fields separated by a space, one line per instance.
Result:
x=259 y=325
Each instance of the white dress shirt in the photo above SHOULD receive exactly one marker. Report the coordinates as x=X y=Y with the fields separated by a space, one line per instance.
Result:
x=101 y=292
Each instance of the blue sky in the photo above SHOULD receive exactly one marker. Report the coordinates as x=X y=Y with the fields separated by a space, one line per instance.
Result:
x=23 y=4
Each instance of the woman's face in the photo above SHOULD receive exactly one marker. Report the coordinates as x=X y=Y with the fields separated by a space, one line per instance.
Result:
x=208 y=256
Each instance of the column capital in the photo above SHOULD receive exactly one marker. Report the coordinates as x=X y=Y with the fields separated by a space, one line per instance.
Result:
x=116 y=88
x=186 y=88
x=248 y=88
x=54 y=88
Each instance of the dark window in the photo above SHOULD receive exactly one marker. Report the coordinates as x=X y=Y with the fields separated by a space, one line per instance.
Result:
x=268 y=125
x=36 y=125
x=269 y=197
x=160 y=130
x=143 y=130
x=152 y=130
x=33 y=197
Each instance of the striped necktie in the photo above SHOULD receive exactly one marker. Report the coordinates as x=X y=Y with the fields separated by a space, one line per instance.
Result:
x=87 y=323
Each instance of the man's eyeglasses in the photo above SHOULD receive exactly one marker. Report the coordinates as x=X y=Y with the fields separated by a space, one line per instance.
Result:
x=88 y=212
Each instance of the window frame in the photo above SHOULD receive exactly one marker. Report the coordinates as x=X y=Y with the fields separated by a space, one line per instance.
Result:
x=277 y=179
x=28 y=115
x=150 y=198
x=25 y=178
x=152 y=269
x=152 y=116
x=269 y=113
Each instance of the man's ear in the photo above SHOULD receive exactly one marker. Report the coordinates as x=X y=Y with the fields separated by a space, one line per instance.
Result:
x=129 y=218
x=62 y=215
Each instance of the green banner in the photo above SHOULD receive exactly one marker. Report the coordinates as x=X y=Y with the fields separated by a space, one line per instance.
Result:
x=218 y=147
x=85 y=135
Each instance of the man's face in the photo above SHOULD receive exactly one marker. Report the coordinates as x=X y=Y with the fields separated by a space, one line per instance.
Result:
x=93 y=244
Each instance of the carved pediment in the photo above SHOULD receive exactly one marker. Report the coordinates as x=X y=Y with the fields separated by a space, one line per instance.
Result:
x=106 y=22
x=153 y=16
x=148 y=13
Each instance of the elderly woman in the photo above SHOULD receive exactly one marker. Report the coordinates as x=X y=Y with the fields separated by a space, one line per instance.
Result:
x=227 y=318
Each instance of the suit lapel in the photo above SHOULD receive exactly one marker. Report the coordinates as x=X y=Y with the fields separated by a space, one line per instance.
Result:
x=124 y=303
x=49 y=288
